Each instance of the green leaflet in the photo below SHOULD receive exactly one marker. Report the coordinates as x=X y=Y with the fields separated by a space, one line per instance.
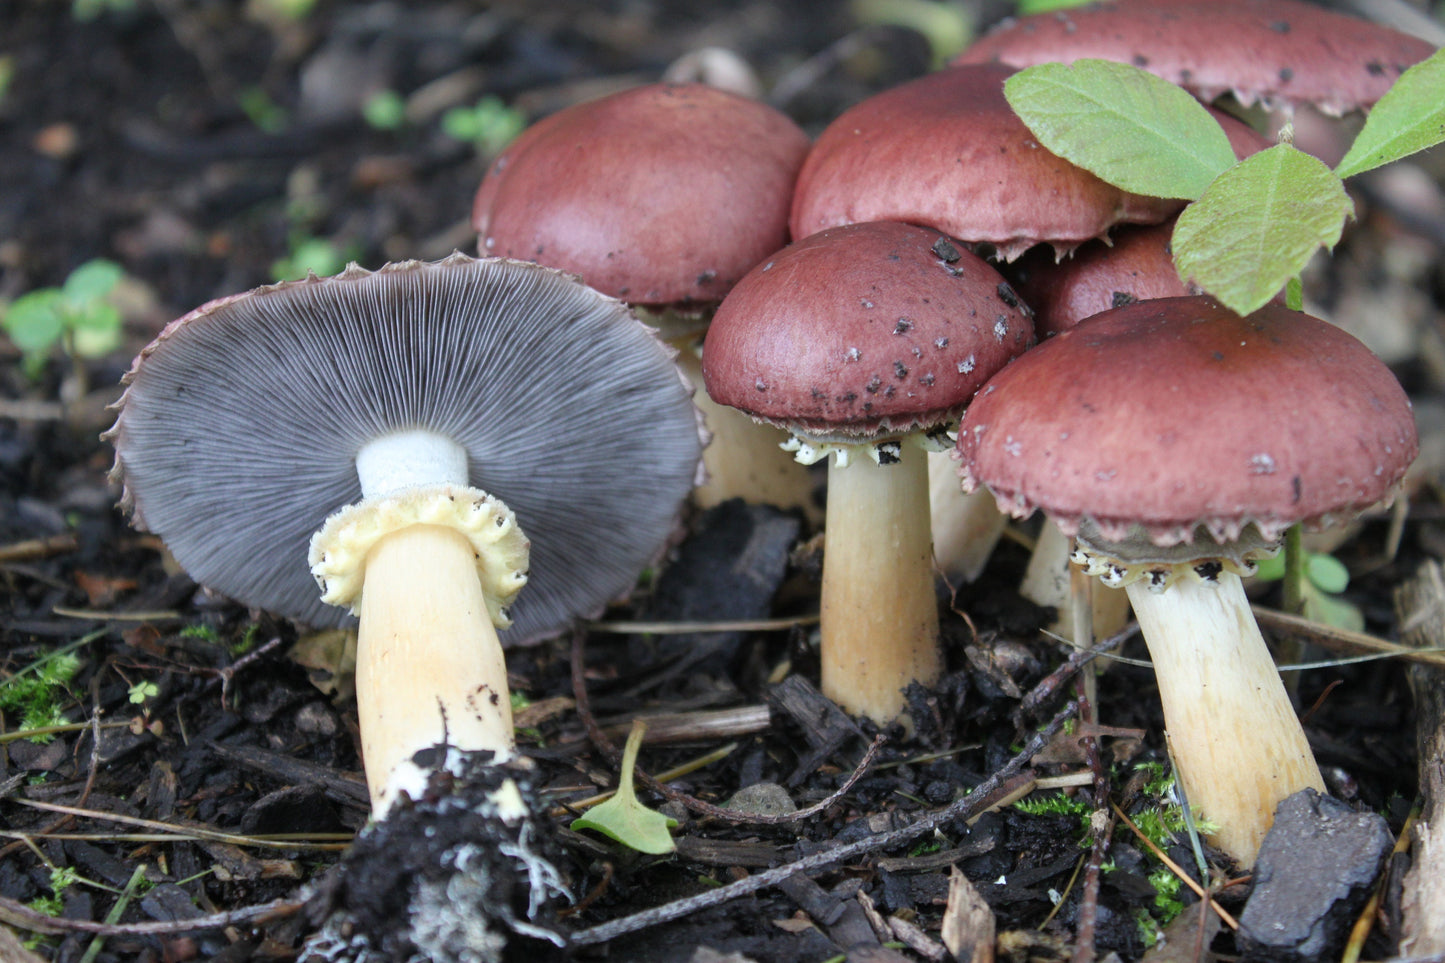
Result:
x=1409 y=118
x=623 y=817
x=1257 y=225
x=1126 y=126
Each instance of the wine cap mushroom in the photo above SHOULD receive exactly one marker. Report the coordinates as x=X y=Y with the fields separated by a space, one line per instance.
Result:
x=1277 y=52
x=866 y=341
x=1178 y=441
x=663 y=196
x=947 y=151
x=241 y=424
x=657 y=195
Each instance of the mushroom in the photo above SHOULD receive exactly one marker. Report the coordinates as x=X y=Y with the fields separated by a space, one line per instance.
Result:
x=866 y=342
x=946 y=151
x=360 y=431
x=1139 y=431
x=663 y=196
x=1277 y=52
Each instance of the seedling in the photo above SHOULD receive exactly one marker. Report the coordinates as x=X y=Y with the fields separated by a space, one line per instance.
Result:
x=623 y=817
x=78 y=316
x=139 y=692
x=1325 y=577
x=1251 y=225
x=384 y=110
x=489 y=125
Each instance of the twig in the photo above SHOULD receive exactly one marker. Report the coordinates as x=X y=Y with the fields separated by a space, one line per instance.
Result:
x=195 y=832
x=23 y=917
x=983 y=797
x=1053 y=683
x=609 y=749
x=1101 y=825
x=1336 y=639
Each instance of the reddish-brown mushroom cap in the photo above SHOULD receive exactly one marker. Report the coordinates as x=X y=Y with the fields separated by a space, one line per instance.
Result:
x=1174 y=414
x=947 y=151
x=863 y=331
x=657 y=195
x=1280 y=52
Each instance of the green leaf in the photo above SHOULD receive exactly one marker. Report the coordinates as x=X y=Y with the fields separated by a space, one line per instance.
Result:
x=1409 y=118
x=1329 y=610
x=1028 y=7
x=93 y=280
x=623 y=817
x=34 y=321
x=1135 y=130
x=1327 y=573
x=1257 y=225
x=1270 y=569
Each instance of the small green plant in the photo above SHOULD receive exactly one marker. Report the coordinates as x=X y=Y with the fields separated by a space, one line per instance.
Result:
x=88 y=10
x=201 y=631
x=139 y=692
x=310 y=255
x=623 y=817
x=1251 y=225
x=38 y=691
x=268 y=116
x=1167 y=903
x=384 y=110
x=78 y=316
x=489 y=125
x=1325 y=577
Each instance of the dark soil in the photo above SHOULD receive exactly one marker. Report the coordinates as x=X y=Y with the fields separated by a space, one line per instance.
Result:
x=126 y=137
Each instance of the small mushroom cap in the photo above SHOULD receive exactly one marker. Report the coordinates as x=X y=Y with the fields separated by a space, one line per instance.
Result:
x=1278 y=52
x=1170 y=415
x=240 y=424
x=863 y=332
x=946 y=151
x=658 y=195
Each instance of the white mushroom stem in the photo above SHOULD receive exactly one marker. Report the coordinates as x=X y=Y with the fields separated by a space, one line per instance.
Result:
x=743 y=458
x=429 y=667
x=1048 y=581
x=879 y=617
x=428 y=565
x=1235 y=738
x=966 y=525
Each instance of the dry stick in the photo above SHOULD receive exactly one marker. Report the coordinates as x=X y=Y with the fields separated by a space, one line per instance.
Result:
x=1174 y=867
x=982 y=797
x=23 y=917
x=1101 y=824
x=609 y=749
x=1053 y=683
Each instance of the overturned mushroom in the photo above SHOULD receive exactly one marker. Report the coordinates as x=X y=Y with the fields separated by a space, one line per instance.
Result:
x=392 y=411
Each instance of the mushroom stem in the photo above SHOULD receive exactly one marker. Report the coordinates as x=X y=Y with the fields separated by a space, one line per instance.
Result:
x=1236 y=741
x=430 y=670
x=966 y=526
x=1048 y=580
x=744 y=459
x=879 y=615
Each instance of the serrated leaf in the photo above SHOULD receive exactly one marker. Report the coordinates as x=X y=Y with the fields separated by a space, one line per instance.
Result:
x=1257 y=224
x=623 y=817
x=1126 y=126
x=1409 y=118
x=1327 y=573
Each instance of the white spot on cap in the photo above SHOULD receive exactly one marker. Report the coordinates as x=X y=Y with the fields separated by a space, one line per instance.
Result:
x=966 y=365
x=1012 y=447
x=866 y=303
x=853 y=354
x=1104 y=476
x=491 y=242
x=1261 y=464
x=1000 y=329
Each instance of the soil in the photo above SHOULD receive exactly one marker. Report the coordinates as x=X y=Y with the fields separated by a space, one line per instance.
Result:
x=197 y=144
